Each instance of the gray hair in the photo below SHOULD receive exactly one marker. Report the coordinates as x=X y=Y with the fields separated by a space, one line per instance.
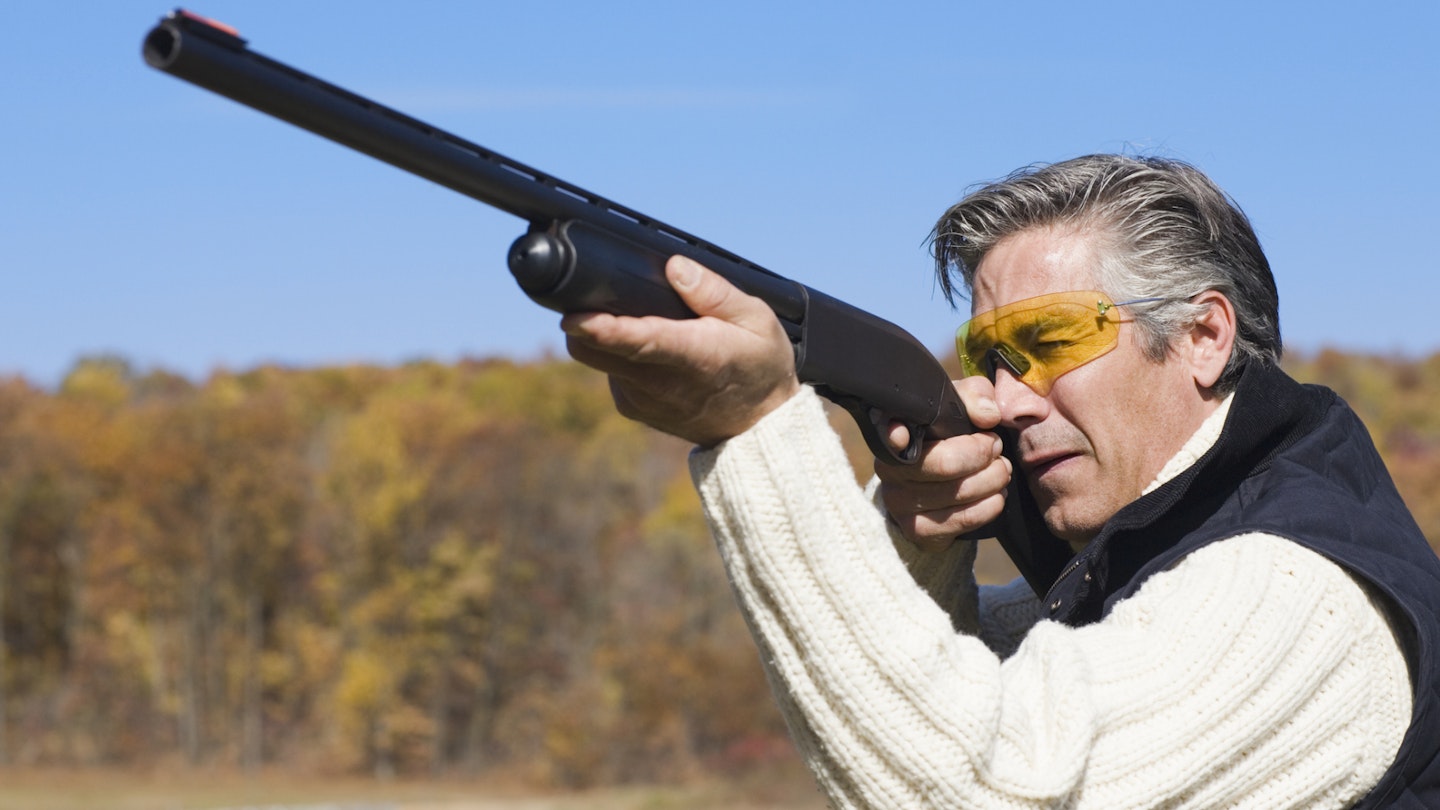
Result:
x=1165 y=231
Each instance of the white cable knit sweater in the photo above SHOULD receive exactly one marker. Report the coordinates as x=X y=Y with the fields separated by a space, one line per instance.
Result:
x=1254 y=673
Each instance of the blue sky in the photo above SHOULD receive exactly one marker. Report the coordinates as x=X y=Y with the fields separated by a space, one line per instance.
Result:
x=144 y=217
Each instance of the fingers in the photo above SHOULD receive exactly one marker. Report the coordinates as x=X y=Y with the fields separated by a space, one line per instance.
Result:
x=704 y=379
x=937 y=530
x=621 y=346
x=978 y=396
x=931 y=515
x=944 y=460
x=708 y=294
x=661 y=341
x=942 y=494
x=898 y=437
x=958 y=485
x=947 y=493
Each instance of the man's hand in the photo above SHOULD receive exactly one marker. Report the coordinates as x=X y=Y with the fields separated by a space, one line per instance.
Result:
x=959 y=483
x=704 y=380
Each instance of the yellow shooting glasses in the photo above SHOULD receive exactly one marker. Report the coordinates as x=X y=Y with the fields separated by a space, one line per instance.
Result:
x=1040 y=338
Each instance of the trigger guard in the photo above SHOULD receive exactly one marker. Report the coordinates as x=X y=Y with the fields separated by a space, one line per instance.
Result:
x=874 y=437
x=872 y=421
x=911 y=453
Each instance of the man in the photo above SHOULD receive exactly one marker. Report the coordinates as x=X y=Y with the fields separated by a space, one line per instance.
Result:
x=1227 y=604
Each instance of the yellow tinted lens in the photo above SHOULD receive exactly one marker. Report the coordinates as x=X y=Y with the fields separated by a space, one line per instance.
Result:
x=971 y=350
x=1053 y=334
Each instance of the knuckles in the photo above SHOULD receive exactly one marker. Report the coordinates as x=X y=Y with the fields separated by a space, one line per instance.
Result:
x=945 y=460
x=937 y=530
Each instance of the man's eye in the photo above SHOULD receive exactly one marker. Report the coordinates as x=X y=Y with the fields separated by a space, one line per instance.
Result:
x=1043 y=337
x=1051 y=347
x=1050 y=335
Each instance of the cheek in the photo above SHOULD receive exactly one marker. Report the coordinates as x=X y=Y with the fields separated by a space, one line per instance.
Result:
x=1085 y=397
x=1143 y=425
x=1112 y=402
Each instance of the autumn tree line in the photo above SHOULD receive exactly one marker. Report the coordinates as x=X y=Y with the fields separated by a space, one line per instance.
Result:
x=426 y=569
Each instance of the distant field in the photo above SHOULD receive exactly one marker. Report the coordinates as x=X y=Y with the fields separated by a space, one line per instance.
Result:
x=115 y=790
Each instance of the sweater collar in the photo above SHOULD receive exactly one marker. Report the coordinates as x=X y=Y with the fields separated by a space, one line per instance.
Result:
x=1198 y=445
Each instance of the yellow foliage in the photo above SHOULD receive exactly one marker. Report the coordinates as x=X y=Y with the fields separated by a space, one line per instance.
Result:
x=130 y=639
x=367 y=684
x=100 y=381
x=224 y=390
x=678 y=517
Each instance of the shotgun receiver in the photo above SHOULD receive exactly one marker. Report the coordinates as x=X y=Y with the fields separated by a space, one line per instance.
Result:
x=583 y=252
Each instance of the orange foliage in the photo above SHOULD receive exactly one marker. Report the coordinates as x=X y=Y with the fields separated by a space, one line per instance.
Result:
x=414 y=570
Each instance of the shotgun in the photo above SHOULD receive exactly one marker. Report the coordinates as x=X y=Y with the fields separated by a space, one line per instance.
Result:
x=582 y=252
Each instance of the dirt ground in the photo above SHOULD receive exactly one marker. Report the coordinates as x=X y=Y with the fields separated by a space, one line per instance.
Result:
x=789 y=789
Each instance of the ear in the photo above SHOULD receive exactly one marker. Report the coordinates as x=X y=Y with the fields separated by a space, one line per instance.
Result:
x=1211 y=338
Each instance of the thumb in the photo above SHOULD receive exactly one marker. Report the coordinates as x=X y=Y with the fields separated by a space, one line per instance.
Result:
x=708 y=293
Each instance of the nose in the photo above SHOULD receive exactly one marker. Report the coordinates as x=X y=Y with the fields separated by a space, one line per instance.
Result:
x=1019 y=405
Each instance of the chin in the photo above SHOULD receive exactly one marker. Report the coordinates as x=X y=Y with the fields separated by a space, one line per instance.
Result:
x=1076 y=532
x=1069 y=500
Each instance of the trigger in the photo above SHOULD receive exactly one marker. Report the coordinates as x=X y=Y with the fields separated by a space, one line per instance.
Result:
x=911 y=453
x=874 y=425
x=877 y=437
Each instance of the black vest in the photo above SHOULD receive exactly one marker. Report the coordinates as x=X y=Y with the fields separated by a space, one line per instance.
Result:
x=1292 y=460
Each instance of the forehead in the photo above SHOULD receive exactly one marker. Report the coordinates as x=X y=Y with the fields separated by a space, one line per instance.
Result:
x=1034 y=262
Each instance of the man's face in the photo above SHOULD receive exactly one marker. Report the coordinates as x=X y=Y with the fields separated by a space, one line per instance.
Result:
x=1105 y=429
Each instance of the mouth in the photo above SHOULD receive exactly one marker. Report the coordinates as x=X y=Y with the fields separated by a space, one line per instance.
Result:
x=1039 y=466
